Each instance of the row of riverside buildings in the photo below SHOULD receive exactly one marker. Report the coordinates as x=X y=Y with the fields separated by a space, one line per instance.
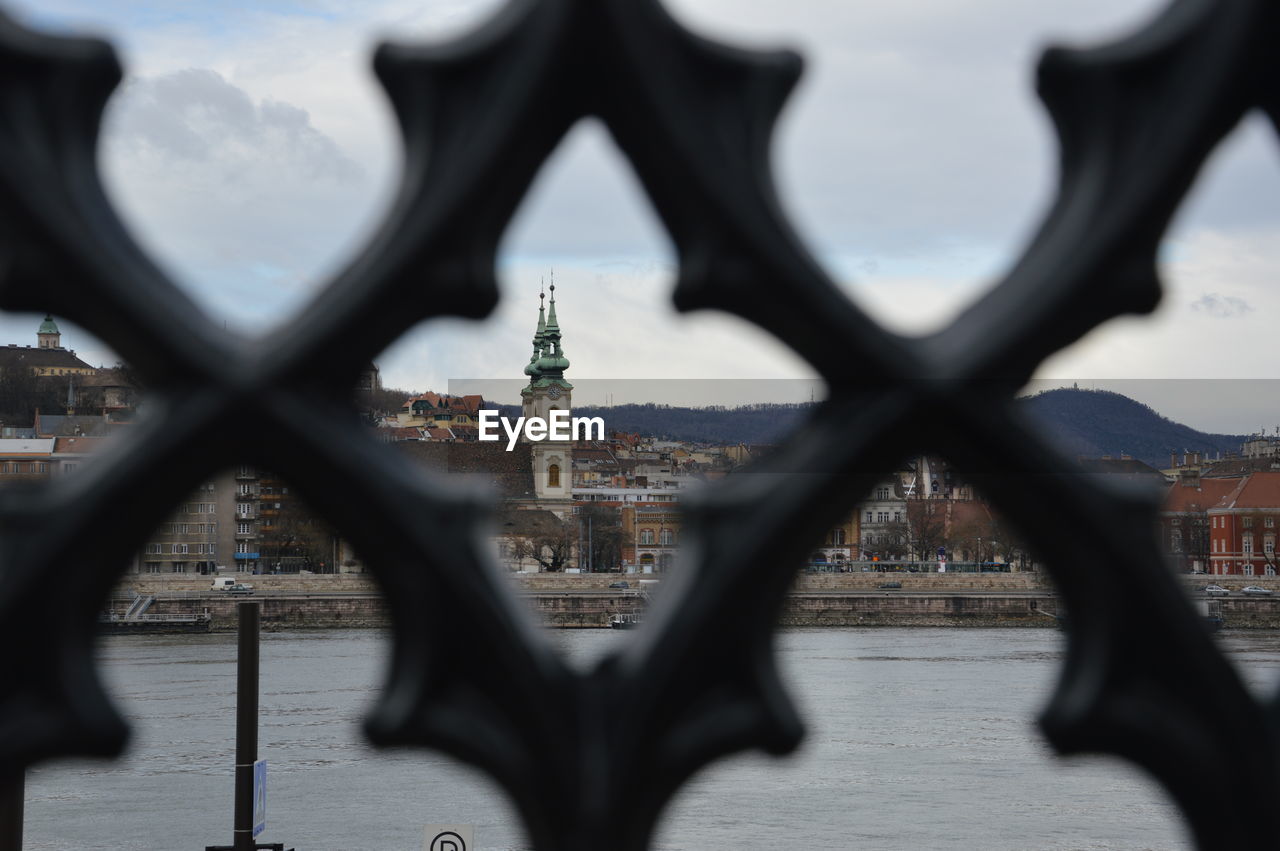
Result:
x=612 y=504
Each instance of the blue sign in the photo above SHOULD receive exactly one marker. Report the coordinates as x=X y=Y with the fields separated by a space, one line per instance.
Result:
x=246 y=555
x=259 y=796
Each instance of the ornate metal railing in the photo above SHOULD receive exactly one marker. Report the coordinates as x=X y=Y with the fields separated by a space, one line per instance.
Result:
x=591 y=759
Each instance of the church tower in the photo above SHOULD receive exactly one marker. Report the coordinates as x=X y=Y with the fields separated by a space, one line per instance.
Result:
x=548 y=390
x=48 y=336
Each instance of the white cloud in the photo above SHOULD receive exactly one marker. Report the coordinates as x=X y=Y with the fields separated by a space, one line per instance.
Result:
x=246 y=200
x=914 y=159
x=1220 y=306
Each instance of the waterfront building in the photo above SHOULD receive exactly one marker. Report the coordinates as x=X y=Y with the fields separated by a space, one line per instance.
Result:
x=1184 y=518
x=1242 y=527
x=883 y=521
x=25 y=459
x=655 y=534
x=187 y=541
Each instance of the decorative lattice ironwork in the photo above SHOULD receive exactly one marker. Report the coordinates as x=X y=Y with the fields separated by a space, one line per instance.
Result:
x=591 y=758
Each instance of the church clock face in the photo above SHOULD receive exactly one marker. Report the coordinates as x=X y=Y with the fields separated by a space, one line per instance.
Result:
x=554 y=392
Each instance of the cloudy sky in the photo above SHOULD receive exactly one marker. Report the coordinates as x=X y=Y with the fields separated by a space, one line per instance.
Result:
x=251 y=151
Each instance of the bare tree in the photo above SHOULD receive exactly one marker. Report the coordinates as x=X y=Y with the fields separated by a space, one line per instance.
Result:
x=600 y=527
x=551 y=547
x=296 y=539
x=927 y=526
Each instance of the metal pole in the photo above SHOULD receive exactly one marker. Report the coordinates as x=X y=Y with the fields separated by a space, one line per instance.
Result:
x=12 y=793
x=246 y=723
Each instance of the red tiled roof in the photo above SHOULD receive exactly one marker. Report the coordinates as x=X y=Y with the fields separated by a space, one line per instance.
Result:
x=1181 y=499
x=1259 y=490
x=77 y=445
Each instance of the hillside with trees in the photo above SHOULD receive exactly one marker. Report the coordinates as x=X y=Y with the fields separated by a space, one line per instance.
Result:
x=1099 y=422
x=1081 y=422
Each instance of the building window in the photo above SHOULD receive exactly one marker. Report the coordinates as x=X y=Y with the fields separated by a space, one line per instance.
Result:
x=1246 y=544
x=1269 y=522
x=553 y=476
x=1269 y=546
x=153 y=549
x=244 y=528
x=179 y=567
x=646 y=537
x=666 y=537
x=882 y=493
x=882 y=517
x=1247 y=522
x=242 y=547
x=837 y=537
x=153 y=567
x=244 y=490
x=244 y=509
x=1248 y=570
x=868 y=517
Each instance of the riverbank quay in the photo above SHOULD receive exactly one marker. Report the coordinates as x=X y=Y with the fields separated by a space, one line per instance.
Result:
x=585 y=601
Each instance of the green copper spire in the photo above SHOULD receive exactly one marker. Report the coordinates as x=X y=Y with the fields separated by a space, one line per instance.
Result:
x=553 y=363
x=542 y=325
x=552 y=323
x=48 y=326
x=531 y=368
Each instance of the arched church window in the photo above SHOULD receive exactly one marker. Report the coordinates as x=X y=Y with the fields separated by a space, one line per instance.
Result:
x=553 y=476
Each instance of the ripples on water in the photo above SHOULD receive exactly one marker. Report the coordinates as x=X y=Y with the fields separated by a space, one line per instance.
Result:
x=918 y=739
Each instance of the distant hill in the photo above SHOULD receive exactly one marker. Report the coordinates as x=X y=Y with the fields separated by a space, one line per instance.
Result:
x=1081 y=422
x=1099 y=422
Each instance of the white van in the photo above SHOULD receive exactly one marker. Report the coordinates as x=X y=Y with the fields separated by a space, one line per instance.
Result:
x=223 y=584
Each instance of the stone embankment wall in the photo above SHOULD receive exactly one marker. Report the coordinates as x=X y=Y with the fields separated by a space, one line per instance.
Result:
x=162 y=583
x=586 y=601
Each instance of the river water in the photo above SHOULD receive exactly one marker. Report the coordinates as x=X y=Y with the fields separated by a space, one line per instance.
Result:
x=918 y=739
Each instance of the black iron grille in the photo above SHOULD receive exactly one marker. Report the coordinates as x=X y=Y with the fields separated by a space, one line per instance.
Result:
x=592 y=758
